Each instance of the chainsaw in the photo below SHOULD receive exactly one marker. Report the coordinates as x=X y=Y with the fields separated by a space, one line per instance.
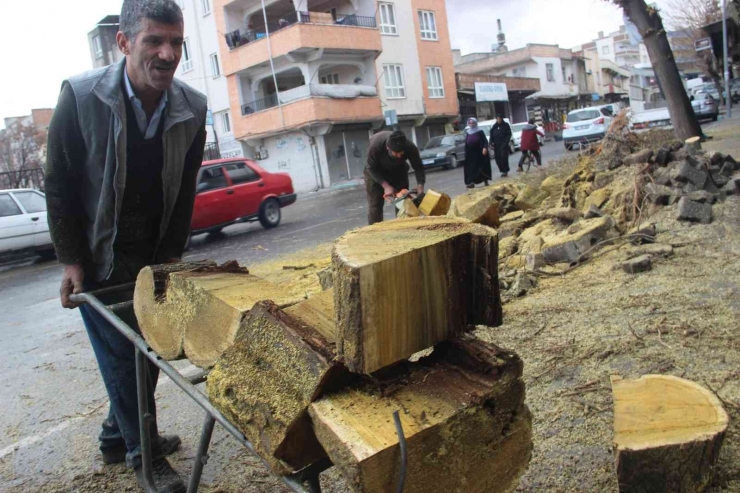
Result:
x=405 y=205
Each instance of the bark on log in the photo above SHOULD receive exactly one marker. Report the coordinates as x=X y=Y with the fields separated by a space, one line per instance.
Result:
x=265 y=381
x=402 y=286
x=667 y=434
x=197 y=312
x=463 y=415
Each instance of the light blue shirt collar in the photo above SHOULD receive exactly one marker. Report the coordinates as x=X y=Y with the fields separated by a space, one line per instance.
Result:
x=147 y=128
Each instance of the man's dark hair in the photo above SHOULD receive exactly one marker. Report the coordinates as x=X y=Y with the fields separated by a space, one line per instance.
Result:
x=133 y=11
x=396 y=141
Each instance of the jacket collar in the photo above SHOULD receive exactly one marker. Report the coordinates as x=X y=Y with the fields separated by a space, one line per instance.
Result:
x=108 y=89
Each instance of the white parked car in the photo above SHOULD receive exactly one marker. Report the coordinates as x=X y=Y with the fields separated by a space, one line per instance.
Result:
x=585 y=126
x=23 y=223
x=516 y=134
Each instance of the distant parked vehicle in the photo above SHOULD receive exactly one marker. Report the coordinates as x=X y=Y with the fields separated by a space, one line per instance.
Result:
x=445 y=150
x=585 y=126
x=705 y=106
x=23 y=224
x=649 y=119
x=516 y=134
x=231 y=191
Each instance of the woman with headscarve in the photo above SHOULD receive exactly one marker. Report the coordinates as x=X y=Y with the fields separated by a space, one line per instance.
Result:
x=477 y=162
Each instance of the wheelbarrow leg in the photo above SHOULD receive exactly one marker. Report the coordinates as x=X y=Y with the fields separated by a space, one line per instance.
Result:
x=313 y=484
x=145 y=419
x=201 y=457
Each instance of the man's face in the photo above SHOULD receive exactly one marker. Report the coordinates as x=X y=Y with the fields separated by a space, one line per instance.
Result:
x=499 y=120
x=397 y=155
x=154 y=53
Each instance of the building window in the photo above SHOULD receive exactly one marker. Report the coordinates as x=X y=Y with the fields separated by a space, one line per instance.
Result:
x=187 y=61
x=604 y=50
x=225 y=122
x=550 y=68
x=387 y=19
x=215 y=68
x=519 y=72
x=565 y=77
x=434 y=82
x=330 y=79
x=428 y=25
x=206 y=6
x=97 y=46
x=394 y=88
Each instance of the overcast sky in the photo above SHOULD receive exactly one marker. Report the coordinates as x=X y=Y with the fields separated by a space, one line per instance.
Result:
x=44 y=41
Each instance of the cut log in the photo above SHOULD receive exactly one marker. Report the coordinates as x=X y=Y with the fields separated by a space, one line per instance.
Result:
x=478 y=207
x=265 y=381
x=407 y=208
x=667 y=434
x=402 y=286
x=157 y=319
x=199 y=311
x=435 y=204
x=317 y=312
x=693 y=143
x=463 y=415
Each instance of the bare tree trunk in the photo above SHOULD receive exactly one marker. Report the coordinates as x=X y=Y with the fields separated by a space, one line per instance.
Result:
x=648 y=22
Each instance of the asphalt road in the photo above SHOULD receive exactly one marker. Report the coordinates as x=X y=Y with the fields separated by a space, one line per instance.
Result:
x=53 y=397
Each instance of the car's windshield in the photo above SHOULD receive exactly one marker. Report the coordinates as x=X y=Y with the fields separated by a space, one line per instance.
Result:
x=518 y=127
x=583 y=116
x=441 y=142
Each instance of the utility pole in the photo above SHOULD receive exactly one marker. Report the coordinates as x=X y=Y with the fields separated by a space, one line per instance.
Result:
x=728 y=97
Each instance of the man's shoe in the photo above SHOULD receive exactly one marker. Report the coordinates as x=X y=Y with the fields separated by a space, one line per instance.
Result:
x=167 y=445
x=166 y=479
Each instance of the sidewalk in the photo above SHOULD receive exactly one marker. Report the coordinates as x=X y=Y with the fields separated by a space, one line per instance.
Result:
x=726 y=135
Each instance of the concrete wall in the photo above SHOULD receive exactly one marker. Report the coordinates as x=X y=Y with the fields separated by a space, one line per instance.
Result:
x=402 y=49
x=608 y=42
x=551 y=88
x=291 y=153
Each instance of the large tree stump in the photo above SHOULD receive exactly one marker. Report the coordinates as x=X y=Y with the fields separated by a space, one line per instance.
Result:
x=463 y=415
x=197 y=312
x=402 y=286
x=265 y=381
x=667 y=434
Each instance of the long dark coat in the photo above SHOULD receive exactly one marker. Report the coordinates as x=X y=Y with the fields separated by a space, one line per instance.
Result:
x=477 y=166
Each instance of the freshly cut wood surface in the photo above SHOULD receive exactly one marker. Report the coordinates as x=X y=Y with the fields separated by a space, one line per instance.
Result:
x=435 y=203
x=402 y=286
x=667 y=434
x=463 y=415
x=200 y=310
x=478 y=206
x=265 y=381
x=317 y=312
x=158 y=320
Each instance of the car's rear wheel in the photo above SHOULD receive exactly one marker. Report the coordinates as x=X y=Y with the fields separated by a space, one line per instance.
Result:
x=270 y=214
x=715 y=118
x=568 y=147
x=453 y=162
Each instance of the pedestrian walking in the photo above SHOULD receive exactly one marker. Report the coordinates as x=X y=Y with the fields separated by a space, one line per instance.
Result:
x=477 y=161
x=500 y=138
x=125 y=146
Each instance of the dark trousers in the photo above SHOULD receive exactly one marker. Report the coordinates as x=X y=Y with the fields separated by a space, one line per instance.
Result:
x=375 y=200
x=501 y=153
x=116 y=361
x=537 y=155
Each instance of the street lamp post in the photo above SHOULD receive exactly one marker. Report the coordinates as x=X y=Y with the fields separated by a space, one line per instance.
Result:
x=728 y=97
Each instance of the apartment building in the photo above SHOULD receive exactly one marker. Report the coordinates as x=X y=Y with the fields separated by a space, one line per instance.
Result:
x=310 y=81
x=561 y=74
x=200 y=67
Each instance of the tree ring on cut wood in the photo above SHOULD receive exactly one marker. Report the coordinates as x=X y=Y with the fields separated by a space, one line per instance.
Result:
x=667 y=434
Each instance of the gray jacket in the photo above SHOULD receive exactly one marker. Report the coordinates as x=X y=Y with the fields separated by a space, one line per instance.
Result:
x=97 y=173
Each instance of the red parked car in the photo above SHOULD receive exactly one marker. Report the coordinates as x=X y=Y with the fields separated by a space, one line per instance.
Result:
x=231 y=191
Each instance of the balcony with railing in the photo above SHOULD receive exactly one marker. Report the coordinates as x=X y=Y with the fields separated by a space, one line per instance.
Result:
x=308 y=104
x=298 y=32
